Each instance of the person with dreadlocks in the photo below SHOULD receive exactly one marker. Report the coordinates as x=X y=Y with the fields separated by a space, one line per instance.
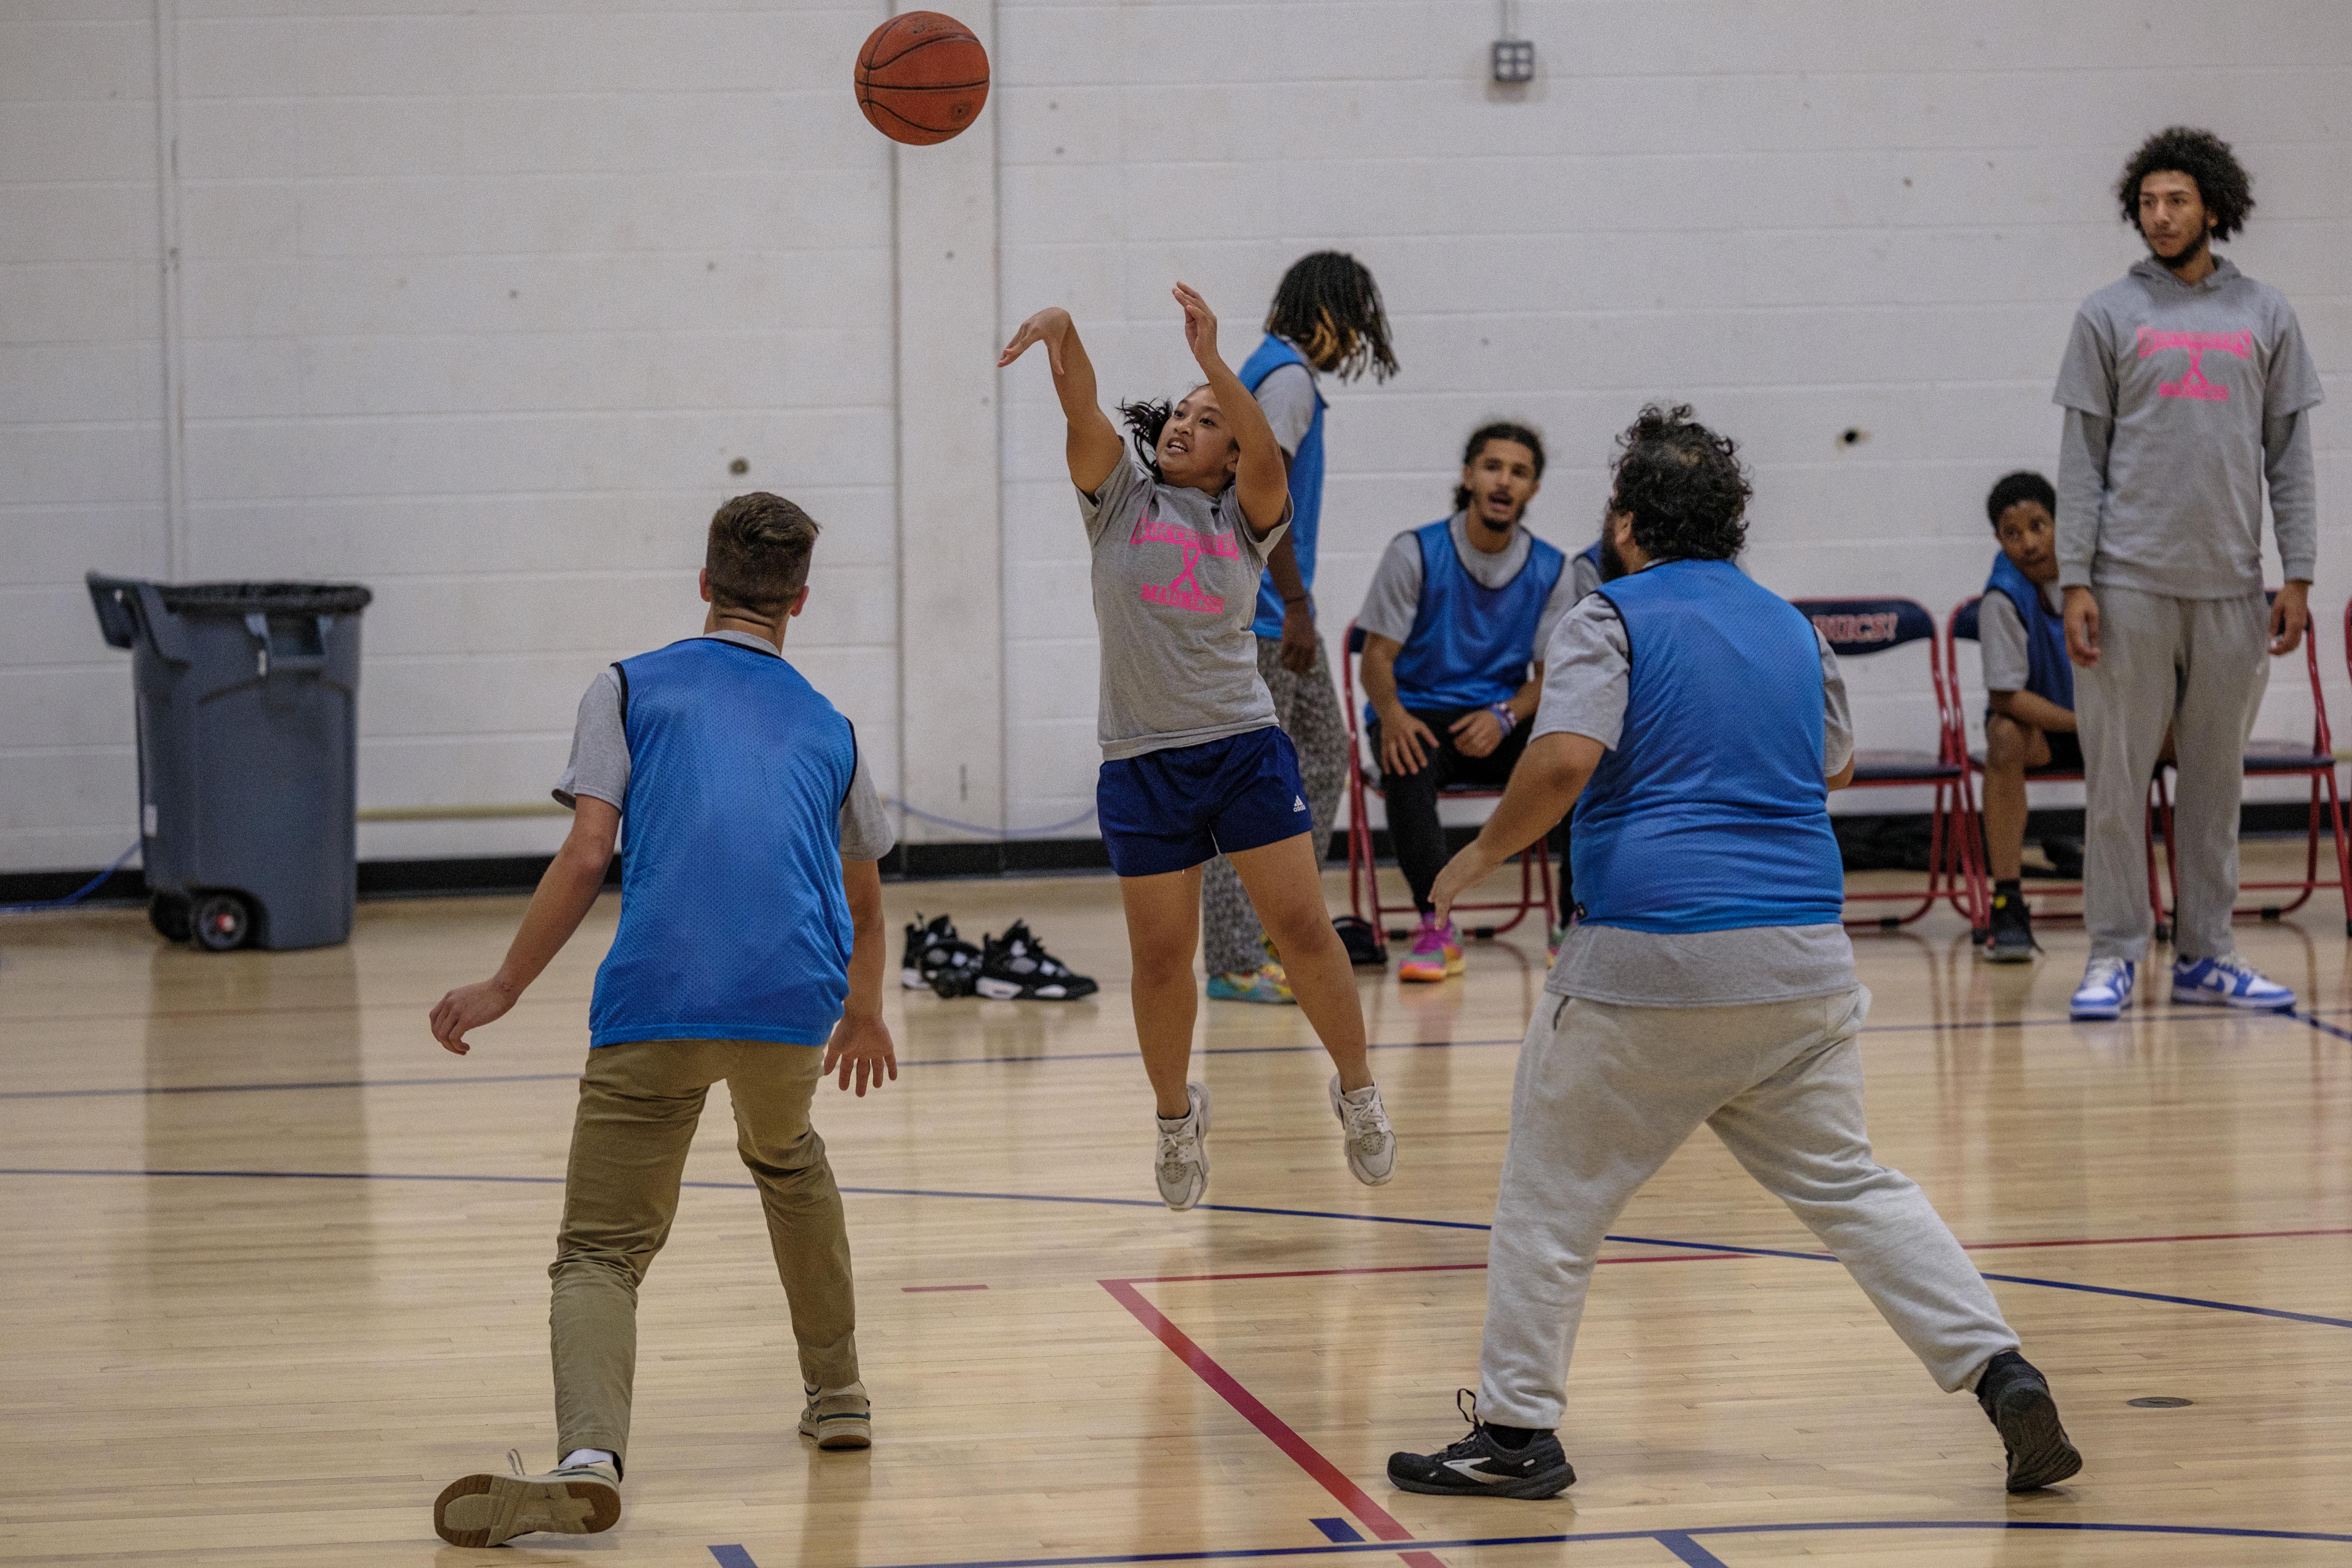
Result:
x=1326 y=320
x=2186 y=386
x=1194 y=763
x=1697 y=722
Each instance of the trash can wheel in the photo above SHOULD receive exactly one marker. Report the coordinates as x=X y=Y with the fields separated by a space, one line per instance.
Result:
x=222 y=921
x=168 y=913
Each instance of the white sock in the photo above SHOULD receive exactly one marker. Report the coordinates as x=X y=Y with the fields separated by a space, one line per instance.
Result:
x=579 y=1456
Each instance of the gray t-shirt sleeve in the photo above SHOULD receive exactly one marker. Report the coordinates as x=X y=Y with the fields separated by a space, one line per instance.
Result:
x=2000 y=634
x=599 y=748
x=2087 y=377
x=1588 y=673
x=1837 y=715
x=867 y=831
x=1395 y=598
x=1098 y=509
x=1288 y=397
x=1565 y=594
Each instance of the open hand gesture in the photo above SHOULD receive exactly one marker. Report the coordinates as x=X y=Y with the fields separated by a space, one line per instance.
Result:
x=1200 y=324
x=863 y=1044
x=1050 y=326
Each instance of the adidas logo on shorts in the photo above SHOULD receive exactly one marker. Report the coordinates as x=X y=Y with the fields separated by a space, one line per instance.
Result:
x=1297 y=803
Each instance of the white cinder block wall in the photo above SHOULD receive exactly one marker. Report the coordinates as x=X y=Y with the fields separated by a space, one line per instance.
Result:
x=480 y=301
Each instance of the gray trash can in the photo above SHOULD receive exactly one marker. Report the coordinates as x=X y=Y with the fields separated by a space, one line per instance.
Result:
x=247 y=697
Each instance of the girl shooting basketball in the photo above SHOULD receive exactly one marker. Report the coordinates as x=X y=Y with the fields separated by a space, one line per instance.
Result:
x=1193 y=762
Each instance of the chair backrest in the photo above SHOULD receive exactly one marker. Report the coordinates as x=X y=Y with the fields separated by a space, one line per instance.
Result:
x=1355 y=637
x=1855 y=628
x=1962 y=627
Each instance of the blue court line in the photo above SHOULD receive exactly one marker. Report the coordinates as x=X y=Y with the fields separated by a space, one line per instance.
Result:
x=1338 y=1530
x=1679 y=1543
x=1664 y=1537
x=1148 y=1203
x=733 y=1557
x=448 y=1079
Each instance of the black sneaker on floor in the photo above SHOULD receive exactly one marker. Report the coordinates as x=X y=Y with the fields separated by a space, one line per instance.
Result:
x=1016 y=967
x=1479 y=1466
x=934 y=951
x=2012 y=931
x=2065 y=858
x=2016 y=1396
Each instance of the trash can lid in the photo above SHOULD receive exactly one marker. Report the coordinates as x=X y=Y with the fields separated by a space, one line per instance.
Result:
x=270 y=598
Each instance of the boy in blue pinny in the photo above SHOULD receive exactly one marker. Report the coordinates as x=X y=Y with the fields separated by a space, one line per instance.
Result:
x=750 y=950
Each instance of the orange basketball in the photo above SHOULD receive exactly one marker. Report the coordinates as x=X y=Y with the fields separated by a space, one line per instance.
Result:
x=921 y=77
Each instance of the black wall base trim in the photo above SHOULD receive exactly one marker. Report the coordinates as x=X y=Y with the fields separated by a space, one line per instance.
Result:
x=927 y=862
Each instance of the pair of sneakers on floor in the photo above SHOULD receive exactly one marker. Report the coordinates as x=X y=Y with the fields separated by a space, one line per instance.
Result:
x=1015 y=967
x=1522 y=1462
x=1181 y=1164
x=582 y=1496
x=2226 y=982
x=1437 y=951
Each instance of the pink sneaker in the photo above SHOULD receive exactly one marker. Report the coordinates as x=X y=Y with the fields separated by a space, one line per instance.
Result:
x=1436 y=953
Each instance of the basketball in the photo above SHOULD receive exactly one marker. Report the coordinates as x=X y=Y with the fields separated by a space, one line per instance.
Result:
x=921 y=77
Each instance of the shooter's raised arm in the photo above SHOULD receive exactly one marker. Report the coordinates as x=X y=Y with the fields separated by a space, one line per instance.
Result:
x=1094 y=449
x=1263 y=480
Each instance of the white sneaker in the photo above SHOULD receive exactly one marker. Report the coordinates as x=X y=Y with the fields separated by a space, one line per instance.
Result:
x=2107 y=986
x=2229 y=981
x=1364 y=1132
x=1182 y=1162
x=839 y=1417
x=484 y=1509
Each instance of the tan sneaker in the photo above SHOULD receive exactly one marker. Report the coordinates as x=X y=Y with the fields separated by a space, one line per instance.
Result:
x=486 y=1510
x=840 y=1419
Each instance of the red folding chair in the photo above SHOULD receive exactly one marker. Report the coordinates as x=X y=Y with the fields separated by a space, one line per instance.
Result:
x=2287 y=759
x=1962 y=626
x=1363 y=872
x=1865 y=628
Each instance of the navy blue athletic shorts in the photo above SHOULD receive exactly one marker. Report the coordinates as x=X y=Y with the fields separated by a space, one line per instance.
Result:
x=1173 y=810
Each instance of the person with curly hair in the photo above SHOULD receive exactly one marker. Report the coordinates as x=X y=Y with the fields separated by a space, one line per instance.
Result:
x=1194 y=762
x=1696 y=723
x=2186 y=389
x=1326 y=320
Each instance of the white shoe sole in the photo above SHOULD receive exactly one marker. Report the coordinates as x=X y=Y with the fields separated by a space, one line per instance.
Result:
x=487 y=1509
x=2195 y=998
x=912 y=980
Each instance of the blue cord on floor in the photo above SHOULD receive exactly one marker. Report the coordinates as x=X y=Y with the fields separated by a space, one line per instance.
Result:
x=78 y=895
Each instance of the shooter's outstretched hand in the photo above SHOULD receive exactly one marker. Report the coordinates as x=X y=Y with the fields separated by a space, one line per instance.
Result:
x=1050 y=326
x=1200 y=325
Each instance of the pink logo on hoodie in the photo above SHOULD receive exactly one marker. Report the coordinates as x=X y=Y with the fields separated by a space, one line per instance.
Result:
x=2194 y=383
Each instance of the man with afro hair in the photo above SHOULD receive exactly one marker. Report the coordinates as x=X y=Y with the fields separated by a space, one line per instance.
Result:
x=2186 y=387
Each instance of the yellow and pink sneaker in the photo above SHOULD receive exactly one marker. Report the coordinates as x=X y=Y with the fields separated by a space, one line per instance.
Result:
x=1436 y=953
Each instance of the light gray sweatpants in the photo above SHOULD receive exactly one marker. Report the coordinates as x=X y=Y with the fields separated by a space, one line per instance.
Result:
x=1604 y=1094
x=2196 y=667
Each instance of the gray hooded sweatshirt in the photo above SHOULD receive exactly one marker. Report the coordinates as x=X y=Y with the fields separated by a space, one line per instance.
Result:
x=2182 y=399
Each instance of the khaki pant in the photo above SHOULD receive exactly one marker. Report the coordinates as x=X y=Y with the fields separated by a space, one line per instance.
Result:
x=1604 y=1094
x=638 y=1106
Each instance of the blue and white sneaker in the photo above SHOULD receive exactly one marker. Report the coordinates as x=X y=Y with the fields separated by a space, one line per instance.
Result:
x=2229 y=981
x=2107 y=986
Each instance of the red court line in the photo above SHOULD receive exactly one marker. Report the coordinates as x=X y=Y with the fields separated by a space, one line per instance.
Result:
x=1395 y=1268
x=1329 y=1476
x=927 y=1290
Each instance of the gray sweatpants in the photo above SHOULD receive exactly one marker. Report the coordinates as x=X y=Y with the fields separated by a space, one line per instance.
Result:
x=2196 y=667
x=1308 y=709
x=1604 y=1094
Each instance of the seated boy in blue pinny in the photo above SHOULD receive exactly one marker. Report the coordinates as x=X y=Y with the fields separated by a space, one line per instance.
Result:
x=749 y=951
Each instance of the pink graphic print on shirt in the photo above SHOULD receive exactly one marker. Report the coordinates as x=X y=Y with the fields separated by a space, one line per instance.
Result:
x=2194 y=383
x=1184 y=593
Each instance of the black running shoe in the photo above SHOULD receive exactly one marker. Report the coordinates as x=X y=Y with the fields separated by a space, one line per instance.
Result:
x=2012 y=931
x=935 y=951
x=2017 y=1398
x=1016 y=967
x=1478 y=1466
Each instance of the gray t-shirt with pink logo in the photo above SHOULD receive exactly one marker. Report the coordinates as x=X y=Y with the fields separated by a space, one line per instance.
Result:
x=1175 y=581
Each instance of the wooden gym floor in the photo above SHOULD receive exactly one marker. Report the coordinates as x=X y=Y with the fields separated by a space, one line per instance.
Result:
x=276 y=1271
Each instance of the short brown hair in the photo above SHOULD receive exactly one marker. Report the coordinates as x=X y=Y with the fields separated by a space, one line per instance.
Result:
x=758 y=553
